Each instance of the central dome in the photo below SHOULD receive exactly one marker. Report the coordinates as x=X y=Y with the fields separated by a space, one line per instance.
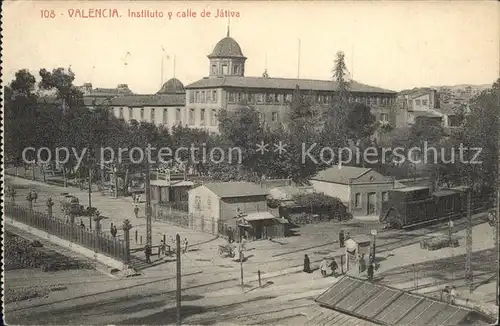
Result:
x=227 y=47
x=172 y=86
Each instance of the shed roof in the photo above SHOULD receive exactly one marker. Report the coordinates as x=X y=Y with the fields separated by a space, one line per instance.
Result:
x=283 y=83
x=389 y=306
x=408 y=189
x=257 y=216
x=236 y=189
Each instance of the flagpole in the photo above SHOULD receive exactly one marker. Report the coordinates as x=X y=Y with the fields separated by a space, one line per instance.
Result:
x=174 y=65
x=298 y=62
x=162 y=55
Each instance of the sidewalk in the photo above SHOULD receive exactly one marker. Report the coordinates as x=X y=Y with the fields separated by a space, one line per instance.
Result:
x=115 y=211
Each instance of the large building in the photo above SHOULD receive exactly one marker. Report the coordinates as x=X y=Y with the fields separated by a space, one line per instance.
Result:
x=226 y=87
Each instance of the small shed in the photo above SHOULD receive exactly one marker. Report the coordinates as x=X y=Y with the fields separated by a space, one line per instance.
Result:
x=261 y=225
x=163 y=191
x=357 y=251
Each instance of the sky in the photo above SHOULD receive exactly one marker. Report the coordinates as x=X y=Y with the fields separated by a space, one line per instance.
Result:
x=394 y=45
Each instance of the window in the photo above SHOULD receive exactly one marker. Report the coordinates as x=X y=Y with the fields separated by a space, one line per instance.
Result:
x=214 y=70
x=178 y=115
x=142 y=114
x=274 y=116
x=417 y=102
x=384 y=117
x=424 y=102
x=288 y=98
x=130 y=113
x=262 y=118
x=230 y=97
x=191 y=116
x=237 y=97
x=385 y=196
x=153 y=115
x=203 y=97
x=197 y=203
x=357 y=200
x=214 y=96
x=121 y=113
x=196 y=97
x=250 y=98
x=236 y=70
x=225 y=70
x=202 y=116
x=269 y=98
x=191 y=97
x=165 y=115
x=213 y=120
x=209 y=203
x=259 y=98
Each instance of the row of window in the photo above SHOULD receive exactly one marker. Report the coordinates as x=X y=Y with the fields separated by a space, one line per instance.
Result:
x=225 y=70
x=286 y=98
x=203 y=118
x=424 y=102
x=209 y=96
x=357 y=198
x=152 y=117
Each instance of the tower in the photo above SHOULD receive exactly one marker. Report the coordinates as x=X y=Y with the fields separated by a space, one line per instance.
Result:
x=227 y=59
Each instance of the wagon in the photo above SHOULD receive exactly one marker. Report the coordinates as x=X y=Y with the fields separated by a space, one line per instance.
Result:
x=437 y=243
x=227 y=251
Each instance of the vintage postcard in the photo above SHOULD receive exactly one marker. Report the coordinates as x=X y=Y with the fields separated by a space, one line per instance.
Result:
x=251 y=162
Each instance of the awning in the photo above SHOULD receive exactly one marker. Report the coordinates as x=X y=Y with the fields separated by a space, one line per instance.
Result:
x=258 y=216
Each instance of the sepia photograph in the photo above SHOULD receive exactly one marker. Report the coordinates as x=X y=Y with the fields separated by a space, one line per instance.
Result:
x=250 y=162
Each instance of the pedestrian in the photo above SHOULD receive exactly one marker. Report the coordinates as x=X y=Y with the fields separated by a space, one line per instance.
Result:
x=162 y=247
x=333 y=266
x=115 y=231
x=453 y=295
x=82 y=225
x=341 y=238
x=323 y=267
x=185 y=243
x=34 y=195
x=133 y=198
x=136 y=210
x=139 y=198
x=307 y=264
x=370 y=272
x=362 y=263
x=147 y=252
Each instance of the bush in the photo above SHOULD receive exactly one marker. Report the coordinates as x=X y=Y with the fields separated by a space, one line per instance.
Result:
x=322 y=204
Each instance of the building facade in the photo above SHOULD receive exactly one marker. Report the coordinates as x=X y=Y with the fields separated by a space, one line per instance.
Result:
x=362 y=190
x=227 y=87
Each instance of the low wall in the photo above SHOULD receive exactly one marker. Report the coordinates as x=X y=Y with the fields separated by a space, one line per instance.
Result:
x=103 y=259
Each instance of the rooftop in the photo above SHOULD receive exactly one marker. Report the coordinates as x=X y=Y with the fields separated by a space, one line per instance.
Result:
x=227 y=48
x=408 y=189
x=150 y=100
x=389 y=306
x=282 y=83
x=344 y=174
x=235 y=189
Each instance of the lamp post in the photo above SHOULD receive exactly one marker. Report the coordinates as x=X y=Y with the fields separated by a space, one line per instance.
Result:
x=450 y=230
x=373 y=232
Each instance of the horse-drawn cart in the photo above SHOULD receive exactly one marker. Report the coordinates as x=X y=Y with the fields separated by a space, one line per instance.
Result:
x=227 y=250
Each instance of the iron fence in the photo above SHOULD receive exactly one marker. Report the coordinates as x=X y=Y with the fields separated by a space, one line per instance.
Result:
x=99 y=242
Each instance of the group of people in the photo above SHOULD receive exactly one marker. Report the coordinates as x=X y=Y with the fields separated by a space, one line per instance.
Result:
x=323 y=266
x=162 y=249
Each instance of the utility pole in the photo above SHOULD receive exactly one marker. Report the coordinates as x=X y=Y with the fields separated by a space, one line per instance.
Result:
x=178 y=293
x=468 y=264
x=241 y=268
x=497 y=237
x=148 y=201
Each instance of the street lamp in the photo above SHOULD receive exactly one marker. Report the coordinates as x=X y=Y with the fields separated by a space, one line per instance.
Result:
x=373 y=232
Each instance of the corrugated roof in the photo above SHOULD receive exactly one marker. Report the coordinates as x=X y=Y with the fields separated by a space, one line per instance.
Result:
x=150 y=100
x=282 y=83
x=236 y=189
x=388 y=306
x=340 y=174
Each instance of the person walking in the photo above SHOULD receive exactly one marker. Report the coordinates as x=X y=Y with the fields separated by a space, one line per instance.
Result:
x=115 y=231
x=307 y=264
x=370 y=272
x=323 y=266
x=82 y=225
x=34 y=195
x=147 y=252
x=162 y=248
x=333 y=266
x=185 y=244
x=136 y=210
x=341 y=238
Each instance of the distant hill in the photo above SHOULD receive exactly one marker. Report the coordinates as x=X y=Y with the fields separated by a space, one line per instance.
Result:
x=463 y=86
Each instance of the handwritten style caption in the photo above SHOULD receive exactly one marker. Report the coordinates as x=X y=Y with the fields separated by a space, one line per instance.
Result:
x=113 y=13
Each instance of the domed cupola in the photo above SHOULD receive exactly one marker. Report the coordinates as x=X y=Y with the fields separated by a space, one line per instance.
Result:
x=227 y=59
x=172 y=86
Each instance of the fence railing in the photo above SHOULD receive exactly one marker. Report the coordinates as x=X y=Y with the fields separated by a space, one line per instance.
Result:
x=99 y=242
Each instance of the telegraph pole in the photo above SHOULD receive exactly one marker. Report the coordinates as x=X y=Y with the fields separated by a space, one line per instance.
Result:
x=496 y=237
x=148 y=201
x=468 y=264
x=178 y=293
